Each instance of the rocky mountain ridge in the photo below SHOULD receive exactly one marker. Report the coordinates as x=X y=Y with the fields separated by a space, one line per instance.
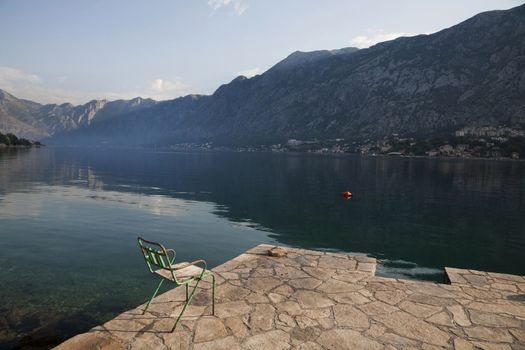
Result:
x=472 y=74
x=36 y=121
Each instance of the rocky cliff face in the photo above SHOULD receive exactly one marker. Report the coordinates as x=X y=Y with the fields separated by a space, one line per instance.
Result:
x=471 y=74
x=35 y=121
x=20 y=117
x=148 y=124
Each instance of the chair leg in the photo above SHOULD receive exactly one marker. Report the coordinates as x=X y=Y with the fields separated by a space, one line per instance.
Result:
x=186 y=304
x=213 y=295
x=153 y=296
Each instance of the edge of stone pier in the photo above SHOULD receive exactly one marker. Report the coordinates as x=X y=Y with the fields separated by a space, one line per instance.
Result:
x=307 y=299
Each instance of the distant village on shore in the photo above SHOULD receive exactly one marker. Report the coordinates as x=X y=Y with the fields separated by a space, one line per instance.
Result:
x=471 y=142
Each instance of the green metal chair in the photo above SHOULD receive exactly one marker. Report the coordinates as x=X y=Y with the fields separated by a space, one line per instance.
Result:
x=156 y=256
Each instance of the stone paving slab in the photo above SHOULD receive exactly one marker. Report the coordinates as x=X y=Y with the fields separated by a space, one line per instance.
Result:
x=318 y=300
x=495 y=282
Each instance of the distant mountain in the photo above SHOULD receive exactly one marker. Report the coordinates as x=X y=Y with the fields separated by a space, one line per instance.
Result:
x=35 y=121
x=471 y=74
x=145 y=126
x=20 y=117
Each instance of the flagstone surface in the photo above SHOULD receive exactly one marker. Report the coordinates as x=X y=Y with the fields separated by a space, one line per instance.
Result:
x=305 y=299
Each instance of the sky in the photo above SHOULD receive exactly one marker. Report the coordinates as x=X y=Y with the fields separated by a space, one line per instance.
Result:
x=58 y=51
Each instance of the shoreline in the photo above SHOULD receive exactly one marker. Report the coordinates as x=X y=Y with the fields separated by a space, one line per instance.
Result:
x=198 y=150
x=4 y=146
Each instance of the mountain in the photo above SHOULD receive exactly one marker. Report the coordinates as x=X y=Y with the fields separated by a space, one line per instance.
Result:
x=145 y=126
x=299 y=58
x=20 y=117
x=36 y=121
x=472 y=74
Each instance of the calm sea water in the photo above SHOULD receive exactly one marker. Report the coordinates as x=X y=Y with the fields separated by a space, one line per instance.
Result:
x=69 y=219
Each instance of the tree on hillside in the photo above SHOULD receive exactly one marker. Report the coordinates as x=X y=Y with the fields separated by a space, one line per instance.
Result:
x=13 y=140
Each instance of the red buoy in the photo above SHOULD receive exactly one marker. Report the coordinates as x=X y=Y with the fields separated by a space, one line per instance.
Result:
x=347 y=194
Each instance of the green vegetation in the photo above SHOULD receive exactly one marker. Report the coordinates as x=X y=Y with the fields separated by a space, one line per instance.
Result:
x=13 y=140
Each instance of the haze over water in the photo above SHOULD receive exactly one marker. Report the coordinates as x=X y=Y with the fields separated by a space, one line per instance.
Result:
x=69 y=219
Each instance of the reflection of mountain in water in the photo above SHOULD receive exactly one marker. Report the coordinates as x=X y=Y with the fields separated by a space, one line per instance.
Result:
x=71 y=205
x=432 y=212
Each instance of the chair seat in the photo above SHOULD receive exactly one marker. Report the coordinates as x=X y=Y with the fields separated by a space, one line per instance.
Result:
x=183 y=271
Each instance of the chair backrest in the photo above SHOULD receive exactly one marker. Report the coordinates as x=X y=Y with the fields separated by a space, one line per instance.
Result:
x=156 y=255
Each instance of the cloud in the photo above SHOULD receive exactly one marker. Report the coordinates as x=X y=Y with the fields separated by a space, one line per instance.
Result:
x=162 y=86
x=239 y=6
x=29 y=86
x=13 y=75
x=250 y=72
x=217 y=4
x=364 y=41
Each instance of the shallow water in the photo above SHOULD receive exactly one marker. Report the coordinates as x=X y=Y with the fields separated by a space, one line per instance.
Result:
x=69 y=219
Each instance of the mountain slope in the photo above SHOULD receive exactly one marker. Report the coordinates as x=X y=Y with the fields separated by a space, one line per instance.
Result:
x=146 y=126
x=20 y=117
x=35 y=121
x=471 y=74
x=299 y=58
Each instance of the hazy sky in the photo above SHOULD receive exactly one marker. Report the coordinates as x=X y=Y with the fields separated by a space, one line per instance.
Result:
x=75 y=51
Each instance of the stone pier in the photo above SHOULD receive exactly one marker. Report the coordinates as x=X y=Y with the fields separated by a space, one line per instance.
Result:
x=317 y=300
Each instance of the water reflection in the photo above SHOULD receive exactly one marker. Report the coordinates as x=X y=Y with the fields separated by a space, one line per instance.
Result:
x=411 y=209
x=15 y=206
x=81 y=210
